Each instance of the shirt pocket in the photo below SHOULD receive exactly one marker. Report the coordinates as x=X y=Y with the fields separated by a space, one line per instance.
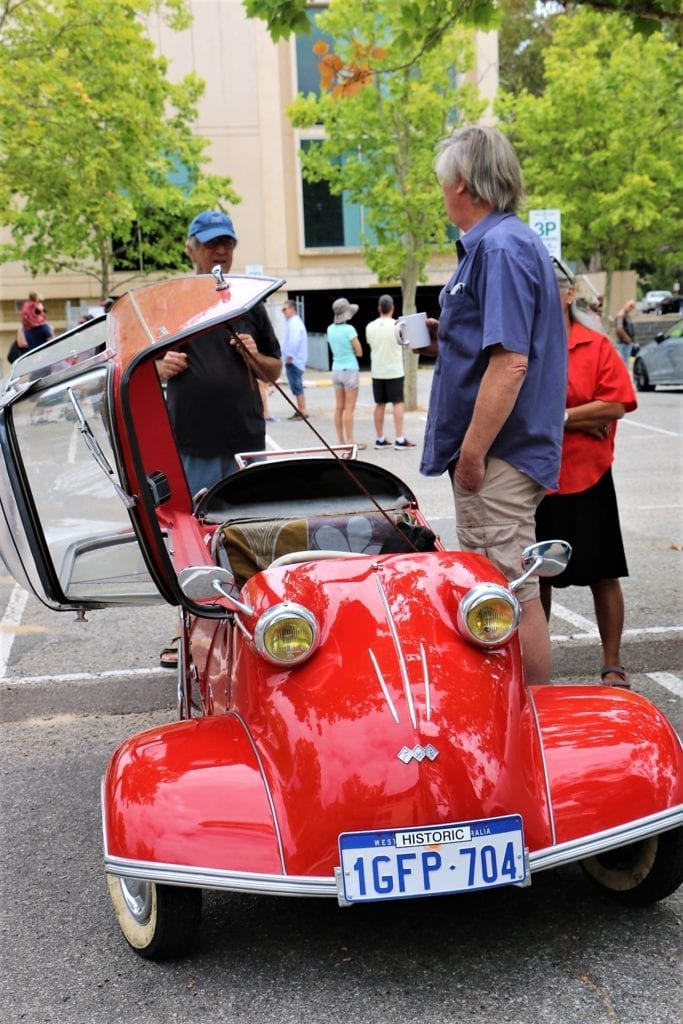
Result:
x=460 y=318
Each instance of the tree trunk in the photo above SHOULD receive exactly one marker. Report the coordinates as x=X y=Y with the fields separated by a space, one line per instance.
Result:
x=105 y=267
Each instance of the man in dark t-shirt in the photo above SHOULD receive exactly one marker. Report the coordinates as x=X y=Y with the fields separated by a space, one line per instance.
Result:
x=625 y=331
x=214 y=400
x=213 y=395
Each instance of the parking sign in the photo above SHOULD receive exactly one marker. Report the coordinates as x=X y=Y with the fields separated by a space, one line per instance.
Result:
x=548 y=225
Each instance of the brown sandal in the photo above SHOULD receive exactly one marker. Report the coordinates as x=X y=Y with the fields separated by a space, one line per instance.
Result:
x=168 y=658
x=617 y=670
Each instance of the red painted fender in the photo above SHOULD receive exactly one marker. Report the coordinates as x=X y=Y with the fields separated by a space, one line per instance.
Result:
x=190 y=793
x=612 y=757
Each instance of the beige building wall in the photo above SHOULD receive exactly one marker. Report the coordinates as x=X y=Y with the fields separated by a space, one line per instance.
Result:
x=249 y=83
x=485 y=71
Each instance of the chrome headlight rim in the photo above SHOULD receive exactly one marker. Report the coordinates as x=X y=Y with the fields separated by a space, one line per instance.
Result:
x=480 y=594
x=269 y=618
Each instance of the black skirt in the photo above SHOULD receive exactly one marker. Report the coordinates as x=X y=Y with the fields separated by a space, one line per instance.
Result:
x=589 y=520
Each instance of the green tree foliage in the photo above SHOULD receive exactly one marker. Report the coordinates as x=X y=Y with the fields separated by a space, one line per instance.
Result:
x=525 y=29
x=421 y=22
x=98 y=158
x=604 y=142
x=380 y=140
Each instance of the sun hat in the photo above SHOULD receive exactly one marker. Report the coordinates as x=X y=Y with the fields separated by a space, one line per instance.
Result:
x=343 y=310
x=211 y=224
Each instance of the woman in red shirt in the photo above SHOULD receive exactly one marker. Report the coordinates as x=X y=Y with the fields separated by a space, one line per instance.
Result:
x=584 y=510
x=33 y=323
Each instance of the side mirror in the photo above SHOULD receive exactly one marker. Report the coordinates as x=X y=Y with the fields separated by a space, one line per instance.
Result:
x=209 y=582
x=546 y=558
x=659 y=337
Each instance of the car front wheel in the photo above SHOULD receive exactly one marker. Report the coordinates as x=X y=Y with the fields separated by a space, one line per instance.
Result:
x=640 y=377
x=159 y=922
x=641 y=873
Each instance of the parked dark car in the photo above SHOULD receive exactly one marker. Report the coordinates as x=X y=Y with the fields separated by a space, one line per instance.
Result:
x=672 y=305
x=660 y=362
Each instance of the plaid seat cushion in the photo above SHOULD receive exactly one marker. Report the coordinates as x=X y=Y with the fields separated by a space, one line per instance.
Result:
x=251 y=545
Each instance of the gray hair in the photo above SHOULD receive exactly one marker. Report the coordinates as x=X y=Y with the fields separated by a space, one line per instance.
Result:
x=566 y=279
x=385 y=304
x=486 y=161
x=563 y=274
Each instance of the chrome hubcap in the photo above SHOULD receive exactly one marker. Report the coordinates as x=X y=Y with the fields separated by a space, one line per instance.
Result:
x=137 y=895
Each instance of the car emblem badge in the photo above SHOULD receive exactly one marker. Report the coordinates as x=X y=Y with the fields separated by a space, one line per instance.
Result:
x=406 y=754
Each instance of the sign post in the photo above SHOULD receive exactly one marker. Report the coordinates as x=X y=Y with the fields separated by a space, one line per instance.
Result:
x=548 y=226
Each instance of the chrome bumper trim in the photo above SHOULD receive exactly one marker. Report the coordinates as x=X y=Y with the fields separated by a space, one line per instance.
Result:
x=312 y=885
x=610 y=839
x=213 y=878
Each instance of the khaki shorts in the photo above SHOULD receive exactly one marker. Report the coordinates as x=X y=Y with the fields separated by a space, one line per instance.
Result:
x=499 y=520
x=346 y=379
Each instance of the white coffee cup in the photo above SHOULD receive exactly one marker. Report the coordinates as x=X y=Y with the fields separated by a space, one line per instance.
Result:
x=411 y=331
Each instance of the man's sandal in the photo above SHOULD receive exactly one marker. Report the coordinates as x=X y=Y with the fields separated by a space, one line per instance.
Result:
x=169 y=655
x=616 y=670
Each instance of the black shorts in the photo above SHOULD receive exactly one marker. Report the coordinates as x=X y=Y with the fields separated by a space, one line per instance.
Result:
x=385 y=391
x=589 y=520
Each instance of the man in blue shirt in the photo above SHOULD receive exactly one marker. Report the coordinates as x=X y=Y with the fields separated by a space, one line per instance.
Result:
x=295 y=356
x=497 y=403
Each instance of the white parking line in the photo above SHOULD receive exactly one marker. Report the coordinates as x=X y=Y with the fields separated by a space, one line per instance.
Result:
x=10 y=620
x=89 y=677
x=674 y=684
x=589 y=630
x=671 y=682
x=585 y=625
x=629 y=422
x=562 y=638
x=19 y=597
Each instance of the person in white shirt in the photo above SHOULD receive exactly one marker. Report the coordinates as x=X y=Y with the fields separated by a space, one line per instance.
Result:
x=294 y=356
x=386 y=370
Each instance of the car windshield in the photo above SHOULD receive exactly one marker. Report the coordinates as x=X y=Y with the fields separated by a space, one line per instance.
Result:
x=76 y=491
x=75 y=347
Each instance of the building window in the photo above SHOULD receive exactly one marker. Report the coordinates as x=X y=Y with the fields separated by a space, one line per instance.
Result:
x=307 y=74
x=329 y=220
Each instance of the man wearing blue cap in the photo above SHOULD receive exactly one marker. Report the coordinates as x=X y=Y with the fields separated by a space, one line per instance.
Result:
x=213 y=399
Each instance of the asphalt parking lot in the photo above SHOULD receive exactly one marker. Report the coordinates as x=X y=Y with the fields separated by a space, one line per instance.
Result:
x=555 y=953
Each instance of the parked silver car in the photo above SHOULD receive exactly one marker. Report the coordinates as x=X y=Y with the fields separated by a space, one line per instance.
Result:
x=652 y=301
x=660 y=362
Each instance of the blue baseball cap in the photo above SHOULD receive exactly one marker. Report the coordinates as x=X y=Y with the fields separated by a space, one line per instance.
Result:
x=211 y=224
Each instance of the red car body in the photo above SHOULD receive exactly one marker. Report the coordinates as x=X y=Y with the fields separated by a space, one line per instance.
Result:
x=396 y=723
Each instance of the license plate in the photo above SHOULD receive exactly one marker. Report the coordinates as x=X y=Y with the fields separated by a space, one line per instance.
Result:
x=460 y=857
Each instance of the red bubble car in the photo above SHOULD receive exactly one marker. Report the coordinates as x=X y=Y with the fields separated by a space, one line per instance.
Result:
x=353 y=718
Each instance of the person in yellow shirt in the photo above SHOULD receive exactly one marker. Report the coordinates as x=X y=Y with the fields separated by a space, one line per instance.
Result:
x=386 y=370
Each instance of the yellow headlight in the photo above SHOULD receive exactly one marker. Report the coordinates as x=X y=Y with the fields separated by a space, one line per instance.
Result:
x=286 y=634
x=488 y=614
